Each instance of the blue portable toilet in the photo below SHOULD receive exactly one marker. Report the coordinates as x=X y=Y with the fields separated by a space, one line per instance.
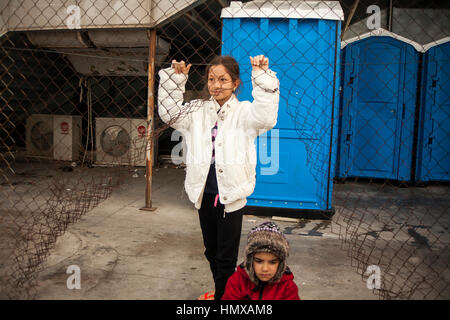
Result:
x=296 y=159
x=433 y=143
x=379 y=84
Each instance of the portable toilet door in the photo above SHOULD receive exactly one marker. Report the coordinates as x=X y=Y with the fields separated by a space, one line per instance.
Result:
x=378 y=107
x=301 y=39
x=433 y=151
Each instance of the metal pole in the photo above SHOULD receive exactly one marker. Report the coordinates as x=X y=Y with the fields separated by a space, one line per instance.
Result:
x=150 y=122
x=335 y=78
x=390 y=16
x=350 y=17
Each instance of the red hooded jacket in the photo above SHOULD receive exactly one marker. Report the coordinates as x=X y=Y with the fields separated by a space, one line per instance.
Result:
x=240 y=287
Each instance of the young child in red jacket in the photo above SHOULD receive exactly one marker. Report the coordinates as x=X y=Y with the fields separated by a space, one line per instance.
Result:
x=264 y=274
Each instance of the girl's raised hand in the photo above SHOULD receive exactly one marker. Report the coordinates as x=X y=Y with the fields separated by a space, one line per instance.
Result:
x=180 y=67
x=259 y=62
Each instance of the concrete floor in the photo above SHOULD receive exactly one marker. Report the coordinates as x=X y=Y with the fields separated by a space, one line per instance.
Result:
x=127 y=253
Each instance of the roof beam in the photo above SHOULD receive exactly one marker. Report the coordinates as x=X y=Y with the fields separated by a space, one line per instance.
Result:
x=223 y=3
x=194 y=17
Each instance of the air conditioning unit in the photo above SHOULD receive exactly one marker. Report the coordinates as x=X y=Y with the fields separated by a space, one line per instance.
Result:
x=39 y=136
x=120 y=141
x=67 y=137
x=54 y=136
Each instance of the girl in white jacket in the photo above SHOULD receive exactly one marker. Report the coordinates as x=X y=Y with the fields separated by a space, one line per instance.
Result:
x=220 y=133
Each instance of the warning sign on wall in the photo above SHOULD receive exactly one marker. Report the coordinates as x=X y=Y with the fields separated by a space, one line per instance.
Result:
x=64 y=127
x=141 y=131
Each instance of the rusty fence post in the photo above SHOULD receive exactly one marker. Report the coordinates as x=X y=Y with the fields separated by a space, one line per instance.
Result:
x=150 y=120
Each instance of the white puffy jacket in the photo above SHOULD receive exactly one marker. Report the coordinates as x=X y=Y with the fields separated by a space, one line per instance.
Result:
x=238 y=123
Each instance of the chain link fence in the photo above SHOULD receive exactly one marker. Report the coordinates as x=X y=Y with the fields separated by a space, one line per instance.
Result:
x=393 y=211
x=362 y=135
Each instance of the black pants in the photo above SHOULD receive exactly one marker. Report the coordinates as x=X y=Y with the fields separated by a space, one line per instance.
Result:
x=221 y=238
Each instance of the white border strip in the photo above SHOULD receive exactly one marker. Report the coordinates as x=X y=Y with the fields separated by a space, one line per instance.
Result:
x=432 y=44
x=293 y=9
x=383 y=33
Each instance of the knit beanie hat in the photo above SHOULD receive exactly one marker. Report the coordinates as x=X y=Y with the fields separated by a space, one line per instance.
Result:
x=266 y=237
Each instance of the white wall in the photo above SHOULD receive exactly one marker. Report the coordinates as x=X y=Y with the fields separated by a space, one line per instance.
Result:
x=421 y=25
